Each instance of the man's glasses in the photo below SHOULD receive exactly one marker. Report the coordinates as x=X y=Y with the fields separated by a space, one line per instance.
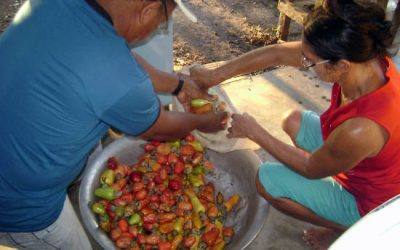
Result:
x=306 y=63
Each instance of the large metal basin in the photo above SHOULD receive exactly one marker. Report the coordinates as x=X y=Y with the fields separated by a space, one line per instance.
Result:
x=234 y=173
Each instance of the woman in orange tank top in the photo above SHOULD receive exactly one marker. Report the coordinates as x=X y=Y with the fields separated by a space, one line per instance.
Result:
x=345 y=162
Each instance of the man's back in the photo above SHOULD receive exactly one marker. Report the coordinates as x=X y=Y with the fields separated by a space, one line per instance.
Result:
x=59 y=77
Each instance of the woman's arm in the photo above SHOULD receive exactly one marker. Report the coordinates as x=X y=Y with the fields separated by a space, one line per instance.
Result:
x=273 y=55
x=164 y=82
x=350 y=143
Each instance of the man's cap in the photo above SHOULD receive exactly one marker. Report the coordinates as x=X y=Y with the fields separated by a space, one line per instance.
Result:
x=186 y=11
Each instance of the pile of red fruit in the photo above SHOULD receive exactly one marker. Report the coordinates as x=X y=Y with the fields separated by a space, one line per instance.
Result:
x=163 y=201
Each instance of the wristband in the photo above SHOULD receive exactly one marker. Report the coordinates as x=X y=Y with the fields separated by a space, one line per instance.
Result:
x=179 y=87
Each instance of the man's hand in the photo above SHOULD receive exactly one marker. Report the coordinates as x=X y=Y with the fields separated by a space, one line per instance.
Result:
x=243 y=126
x=215 y=122
x=191 y=91
x=204 y=78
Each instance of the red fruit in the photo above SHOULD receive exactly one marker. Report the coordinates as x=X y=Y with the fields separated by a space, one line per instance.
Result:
x=123 y=225
x=208 y=165
x=187 y=206
x=228 y=232
x=119 y=202
x=119 y=185
x=112 y=163
x=212 y=212
x=164 y=246
x=141 y=195
x=123 y=242
x=133 y=230
x=165 y=197
x=179 y=167
x=162 y=159
x=197 y=158
x=158 y=180
x=164 y=208
x=166 y=217
x=149 y=147
x=172 y=158
x=138 y=186
x=143 y=203
x=141 y=239
x=154 y=198
x=146 y=211
x=148 y=227
x=175 y=185
x=155 y=143
x=127 y=234
x=136 y=176
x=190 y=138
x=111 y=214
x=211 y=236
x=163 y=174
x=163 y=149
x=180 y=212
x=150 y=218
x=109 y=207
x=153 y=205
x=151 y=185
x=128 y=170
x=189 y=241
x=121 y=170
x=115 y=233
x=166 y=228
x=127 y=197
x=161 y=188
x=152 y=239
x=187 y=150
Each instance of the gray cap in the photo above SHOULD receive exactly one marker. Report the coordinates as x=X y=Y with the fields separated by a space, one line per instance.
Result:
x=186 y=11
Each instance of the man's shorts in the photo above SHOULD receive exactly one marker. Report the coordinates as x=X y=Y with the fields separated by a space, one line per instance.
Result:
x=325 y=197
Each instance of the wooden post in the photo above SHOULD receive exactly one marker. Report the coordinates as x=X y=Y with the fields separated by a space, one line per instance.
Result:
x=283 y=27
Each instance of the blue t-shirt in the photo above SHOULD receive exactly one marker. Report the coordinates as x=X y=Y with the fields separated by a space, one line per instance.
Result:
x=65 y=78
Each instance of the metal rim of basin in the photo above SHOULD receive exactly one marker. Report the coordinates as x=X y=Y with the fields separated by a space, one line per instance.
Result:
x=251 y=227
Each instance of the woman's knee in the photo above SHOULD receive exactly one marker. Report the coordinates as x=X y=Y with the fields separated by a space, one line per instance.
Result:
x=291 y=123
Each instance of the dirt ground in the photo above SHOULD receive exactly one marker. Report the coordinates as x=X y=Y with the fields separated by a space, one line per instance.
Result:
x=226 y=28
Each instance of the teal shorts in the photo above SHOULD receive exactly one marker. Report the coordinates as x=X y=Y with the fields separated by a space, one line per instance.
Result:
x=325 y=197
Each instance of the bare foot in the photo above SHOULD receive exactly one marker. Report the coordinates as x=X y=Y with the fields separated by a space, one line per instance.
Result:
x=320 y=238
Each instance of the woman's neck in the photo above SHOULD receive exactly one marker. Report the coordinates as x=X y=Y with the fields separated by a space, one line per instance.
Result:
x=364 y=79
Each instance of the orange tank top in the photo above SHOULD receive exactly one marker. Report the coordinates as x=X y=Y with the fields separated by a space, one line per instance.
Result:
x=374 y=180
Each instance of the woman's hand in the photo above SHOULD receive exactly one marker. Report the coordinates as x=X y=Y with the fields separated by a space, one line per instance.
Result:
x=190 y=91
x=243 y=126
x=204 y=78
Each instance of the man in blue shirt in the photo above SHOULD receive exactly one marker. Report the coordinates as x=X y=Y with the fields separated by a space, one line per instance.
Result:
x=66 y=77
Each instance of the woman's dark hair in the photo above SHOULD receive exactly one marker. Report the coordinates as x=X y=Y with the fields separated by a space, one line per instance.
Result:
x=345 y=29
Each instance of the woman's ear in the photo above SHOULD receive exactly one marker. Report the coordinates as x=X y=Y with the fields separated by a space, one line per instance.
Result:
x=343 y=66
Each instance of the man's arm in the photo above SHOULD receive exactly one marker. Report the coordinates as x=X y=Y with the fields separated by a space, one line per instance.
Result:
x=273 y=55
x=350 y=143
x=163 y=82
x=174 y=125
